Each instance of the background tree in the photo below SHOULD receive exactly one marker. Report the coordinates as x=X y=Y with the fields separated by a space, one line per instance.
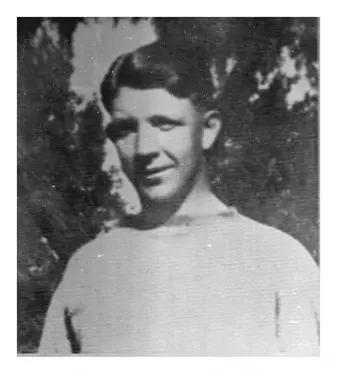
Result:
x=60 y=184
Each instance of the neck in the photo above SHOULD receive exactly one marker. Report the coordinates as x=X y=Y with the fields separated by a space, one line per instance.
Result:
x=200 y=201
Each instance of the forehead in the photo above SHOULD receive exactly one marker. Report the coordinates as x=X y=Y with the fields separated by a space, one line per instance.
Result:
x=150 y=102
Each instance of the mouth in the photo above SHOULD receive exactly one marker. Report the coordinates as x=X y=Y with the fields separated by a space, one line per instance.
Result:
x=155 y=172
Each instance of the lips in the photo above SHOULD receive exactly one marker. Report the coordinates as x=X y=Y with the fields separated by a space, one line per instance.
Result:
x=156 y=170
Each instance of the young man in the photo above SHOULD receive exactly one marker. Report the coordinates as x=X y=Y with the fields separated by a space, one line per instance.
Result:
x=187 y=276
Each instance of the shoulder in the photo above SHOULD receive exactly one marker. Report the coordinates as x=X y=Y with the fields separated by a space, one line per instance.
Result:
x=269 y=237
x=88 y=267
x=92 y=259
x=274 y=246
x=278 y=261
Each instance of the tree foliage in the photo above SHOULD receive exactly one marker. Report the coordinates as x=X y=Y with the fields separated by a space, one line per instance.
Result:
x=60 y=184
x=266 y=162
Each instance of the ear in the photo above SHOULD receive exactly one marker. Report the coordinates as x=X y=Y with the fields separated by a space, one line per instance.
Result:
x=211 y=129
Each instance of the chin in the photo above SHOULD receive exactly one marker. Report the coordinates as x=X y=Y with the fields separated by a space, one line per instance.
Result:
x=158 y=198
x=157 y=194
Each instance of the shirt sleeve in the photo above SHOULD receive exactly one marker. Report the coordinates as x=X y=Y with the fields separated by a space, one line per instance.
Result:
x=59 y=336
x=297 y=305
x=54 y=340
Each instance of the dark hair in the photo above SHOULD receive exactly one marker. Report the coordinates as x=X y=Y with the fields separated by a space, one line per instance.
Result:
x=185 y=72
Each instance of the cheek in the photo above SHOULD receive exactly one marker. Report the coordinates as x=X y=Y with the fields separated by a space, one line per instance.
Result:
x=126 y=150
x=184 y=143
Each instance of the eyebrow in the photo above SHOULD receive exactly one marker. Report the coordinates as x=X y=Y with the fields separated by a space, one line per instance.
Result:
x=156 y=119
x=130 y=120
x=123 y=121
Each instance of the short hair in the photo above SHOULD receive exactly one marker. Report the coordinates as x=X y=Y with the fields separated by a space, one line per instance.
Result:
x=185 y=72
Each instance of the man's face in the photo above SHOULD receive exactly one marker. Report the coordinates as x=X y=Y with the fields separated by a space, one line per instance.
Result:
x=159 y=140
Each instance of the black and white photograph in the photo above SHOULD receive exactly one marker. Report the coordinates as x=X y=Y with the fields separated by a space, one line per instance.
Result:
x=168 y=186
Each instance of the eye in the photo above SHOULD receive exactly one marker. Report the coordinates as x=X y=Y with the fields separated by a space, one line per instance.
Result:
x=165 y=124
x=120 y=129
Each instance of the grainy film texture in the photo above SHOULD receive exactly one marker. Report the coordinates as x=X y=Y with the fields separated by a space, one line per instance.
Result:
x=201 y=134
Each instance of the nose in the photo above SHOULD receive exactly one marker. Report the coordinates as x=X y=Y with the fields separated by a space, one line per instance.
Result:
x=147 y=140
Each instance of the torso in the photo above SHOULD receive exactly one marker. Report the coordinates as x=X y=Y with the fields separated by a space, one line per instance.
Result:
x=177 y=291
